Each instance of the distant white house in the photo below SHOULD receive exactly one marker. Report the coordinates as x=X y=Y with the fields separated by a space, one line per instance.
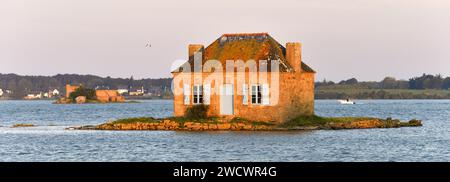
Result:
x=137 y=92
x=55 y=92
x=35 y=95
x=1 y=92
x=122 y=91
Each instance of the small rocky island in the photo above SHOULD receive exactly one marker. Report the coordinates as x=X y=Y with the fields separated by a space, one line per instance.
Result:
x=195 y=121
x=81 y=95
x=237 y=124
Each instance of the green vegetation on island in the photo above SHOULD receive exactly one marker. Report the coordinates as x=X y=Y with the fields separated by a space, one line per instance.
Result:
x=88 y=93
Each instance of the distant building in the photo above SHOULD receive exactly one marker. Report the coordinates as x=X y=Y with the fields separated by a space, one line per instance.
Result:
x=102 y=87
x=34 y=95
x=54 y=92
x=137 y=92
x=109 y=96
x=122 y=90
x=1 y=92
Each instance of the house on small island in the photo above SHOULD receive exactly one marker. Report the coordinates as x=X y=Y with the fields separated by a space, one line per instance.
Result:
x=264 y=99
x=109 y=96
x=101 y=95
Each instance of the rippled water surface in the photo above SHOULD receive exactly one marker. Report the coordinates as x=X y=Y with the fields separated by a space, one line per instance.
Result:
x=48 y=141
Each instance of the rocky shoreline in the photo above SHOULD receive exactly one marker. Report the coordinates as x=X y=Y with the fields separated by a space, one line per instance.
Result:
x=213 y=125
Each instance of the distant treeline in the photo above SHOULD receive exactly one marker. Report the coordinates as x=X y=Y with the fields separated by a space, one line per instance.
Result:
x=423 y=87
x=22 y=85
x=423 y=82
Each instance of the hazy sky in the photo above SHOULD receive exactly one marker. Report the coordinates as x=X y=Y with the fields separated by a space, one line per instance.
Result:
x=366 y=39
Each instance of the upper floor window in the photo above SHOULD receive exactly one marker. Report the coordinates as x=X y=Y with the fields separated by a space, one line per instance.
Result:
x=198 y=94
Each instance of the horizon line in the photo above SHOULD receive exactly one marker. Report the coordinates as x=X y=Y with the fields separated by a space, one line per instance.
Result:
x=401 y=79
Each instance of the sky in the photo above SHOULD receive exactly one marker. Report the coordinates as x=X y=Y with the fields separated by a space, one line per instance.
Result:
x=341 y=39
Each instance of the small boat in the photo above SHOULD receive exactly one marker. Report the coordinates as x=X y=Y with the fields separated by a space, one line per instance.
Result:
x=347 y=101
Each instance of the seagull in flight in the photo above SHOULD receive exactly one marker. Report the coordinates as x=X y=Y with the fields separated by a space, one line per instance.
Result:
x=148 y=45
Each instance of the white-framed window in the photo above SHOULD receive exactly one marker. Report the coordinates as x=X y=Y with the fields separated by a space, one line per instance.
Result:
x=256 y=94
x=198 y=94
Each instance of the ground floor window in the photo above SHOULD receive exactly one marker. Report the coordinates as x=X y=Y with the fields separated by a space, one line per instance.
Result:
x=256 y=94
x=198 y=94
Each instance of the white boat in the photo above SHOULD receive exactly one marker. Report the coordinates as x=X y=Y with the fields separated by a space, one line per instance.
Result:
x=348 y=101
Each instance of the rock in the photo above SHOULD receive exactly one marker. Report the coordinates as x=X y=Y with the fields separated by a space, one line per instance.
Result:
x=373 y=123
x=205 y=126
x=188 y=124
x=212 y=126
x=174 y=124
x=261 y=127
x=305 y=128
x=248 y=127
x=63 y=101
x=85 y=127
x=196 y=126
x=224 y=126
x=80 y=99
x=415 y=122
x=22 y=125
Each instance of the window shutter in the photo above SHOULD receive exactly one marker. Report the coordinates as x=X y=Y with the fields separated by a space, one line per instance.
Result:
x=265 y=94
x=186 y=92
x=244 y=94
x=207 y=92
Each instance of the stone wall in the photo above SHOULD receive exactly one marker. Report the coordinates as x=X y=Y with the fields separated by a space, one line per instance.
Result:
x=187 y=126
x=296 y=95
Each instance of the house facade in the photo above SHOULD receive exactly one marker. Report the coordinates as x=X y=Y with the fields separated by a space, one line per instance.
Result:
x=249 y=76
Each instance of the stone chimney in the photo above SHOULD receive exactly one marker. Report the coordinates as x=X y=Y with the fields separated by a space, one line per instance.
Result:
x=193 y=48
x=294 y=55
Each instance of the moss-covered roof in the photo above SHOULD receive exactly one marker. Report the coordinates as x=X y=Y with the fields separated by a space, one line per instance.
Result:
x=253 y=46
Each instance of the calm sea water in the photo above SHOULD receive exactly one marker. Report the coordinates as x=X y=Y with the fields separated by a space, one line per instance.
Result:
x=50 y=142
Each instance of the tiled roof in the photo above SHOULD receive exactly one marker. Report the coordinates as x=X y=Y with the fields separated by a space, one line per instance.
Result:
x=247 y=46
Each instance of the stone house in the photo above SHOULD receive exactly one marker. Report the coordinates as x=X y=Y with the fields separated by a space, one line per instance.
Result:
x=282 y=91
x=109 y=96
